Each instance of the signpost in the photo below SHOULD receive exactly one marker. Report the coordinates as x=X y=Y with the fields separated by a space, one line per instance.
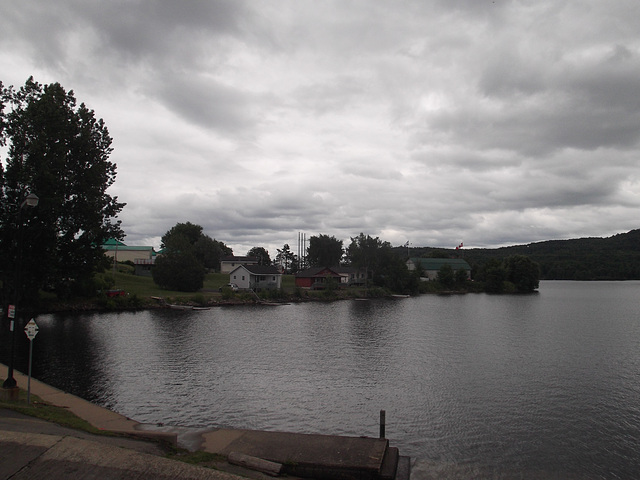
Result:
x=31 y=330
x=11 y=313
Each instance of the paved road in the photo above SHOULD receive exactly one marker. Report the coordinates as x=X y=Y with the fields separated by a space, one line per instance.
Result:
x=36 y=449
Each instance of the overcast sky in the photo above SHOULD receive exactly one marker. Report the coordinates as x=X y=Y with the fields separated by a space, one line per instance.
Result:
x=431 y=121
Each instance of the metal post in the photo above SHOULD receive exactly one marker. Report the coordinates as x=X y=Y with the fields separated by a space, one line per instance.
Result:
x=29 y=380
x=383 y=421
x=10 y=382
x=30 y=201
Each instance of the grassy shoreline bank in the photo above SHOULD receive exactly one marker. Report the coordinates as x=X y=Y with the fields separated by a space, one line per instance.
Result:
x=141 y=293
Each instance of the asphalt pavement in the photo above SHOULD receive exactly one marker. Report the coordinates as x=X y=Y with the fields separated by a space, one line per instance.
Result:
x=36 y=449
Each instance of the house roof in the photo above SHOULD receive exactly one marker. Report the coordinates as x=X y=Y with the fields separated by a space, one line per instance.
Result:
x=124 y=248
x=113 y=242
x=317 y=272
x=259 y=269
x=437 y=263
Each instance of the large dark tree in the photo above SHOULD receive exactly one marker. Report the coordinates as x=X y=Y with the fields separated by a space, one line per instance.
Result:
x=189 y=237
x=523 y=272
x=179 y=271
x=187 y=253
x=324 y=251
x=364 y=252
x=261 y=254
x=493 y=274
x=446 y=275
x=60 y=152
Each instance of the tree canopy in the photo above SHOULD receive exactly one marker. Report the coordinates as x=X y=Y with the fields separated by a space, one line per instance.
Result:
x=324 y=251
x=364 y=252
x=187 y=253
x=286 y=259
x=261 y=254
x=523 y=273
x=60 y=152
x=189 y=237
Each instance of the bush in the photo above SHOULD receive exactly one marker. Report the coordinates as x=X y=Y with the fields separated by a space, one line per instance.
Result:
x=523 y=273
x=199 y=299
x=181 y=272
x=227 y=293
x=446 y=275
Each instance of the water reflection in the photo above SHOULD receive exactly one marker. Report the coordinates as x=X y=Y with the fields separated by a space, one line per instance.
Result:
x=492 y=384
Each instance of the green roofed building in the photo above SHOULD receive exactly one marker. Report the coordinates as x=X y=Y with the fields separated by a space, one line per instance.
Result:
x=431 y=266
x=122 y=253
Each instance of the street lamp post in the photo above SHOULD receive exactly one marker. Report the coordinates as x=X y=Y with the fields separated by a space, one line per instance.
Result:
x=30 y=201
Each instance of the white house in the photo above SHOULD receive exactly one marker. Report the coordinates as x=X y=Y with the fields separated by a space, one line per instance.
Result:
x=256 y=277
x=230 y=262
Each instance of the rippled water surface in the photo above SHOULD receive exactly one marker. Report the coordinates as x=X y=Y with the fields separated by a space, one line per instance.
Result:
x=506 y=385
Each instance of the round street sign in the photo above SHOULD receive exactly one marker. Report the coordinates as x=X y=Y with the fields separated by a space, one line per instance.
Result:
x=31 y=329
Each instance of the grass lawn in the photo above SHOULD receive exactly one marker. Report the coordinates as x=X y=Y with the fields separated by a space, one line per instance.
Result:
x=144 y=288
x=51 y=413
x=140 y=290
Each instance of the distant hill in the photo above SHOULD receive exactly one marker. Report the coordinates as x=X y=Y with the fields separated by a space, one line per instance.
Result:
x=612 y=258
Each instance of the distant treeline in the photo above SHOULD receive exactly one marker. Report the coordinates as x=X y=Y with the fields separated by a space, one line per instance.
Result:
x=612 y=258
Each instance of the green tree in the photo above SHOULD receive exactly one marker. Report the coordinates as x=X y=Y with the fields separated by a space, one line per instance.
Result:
x=324 y=251
x=493 y=274
x=393 y=274
x=365 y=252
x=60 y=152
x=210 y=251
x=179 y=271
x=189 y=237
x=523 y=272
x=461 y=276
x=182 y=236
x=286 y=259
x=187 y=254
x=261 y=254
x=446 y=275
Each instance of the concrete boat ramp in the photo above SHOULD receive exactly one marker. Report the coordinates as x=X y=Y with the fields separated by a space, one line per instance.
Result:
x=313 y=456
x=325 y=457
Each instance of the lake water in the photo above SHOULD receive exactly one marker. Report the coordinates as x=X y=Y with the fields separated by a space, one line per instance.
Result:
x=531 y=386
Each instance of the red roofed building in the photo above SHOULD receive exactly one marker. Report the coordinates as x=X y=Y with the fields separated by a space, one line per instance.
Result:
x=316 y=277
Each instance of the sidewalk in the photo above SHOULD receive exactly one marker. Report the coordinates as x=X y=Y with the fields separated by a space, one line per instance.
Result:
x=99 y=417
x=298 y=454
x=32 y=448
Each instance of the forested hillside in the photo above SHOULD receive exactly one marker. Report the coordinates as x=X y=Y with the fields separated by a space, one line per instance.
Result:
x=612 y=258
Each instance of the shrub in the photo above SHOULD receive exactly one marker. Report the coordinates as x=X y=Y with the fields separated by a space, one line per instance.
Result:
x=181 y=272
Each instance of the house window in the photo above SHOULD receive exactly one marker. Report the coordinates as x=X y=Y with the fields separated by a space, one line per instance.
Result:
x=243 y=278
x=234 y=277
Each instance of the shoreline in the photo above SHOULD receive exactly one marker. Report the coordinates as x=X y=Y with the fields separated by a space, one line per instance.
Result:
x=292 y=454
x=150 y=303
